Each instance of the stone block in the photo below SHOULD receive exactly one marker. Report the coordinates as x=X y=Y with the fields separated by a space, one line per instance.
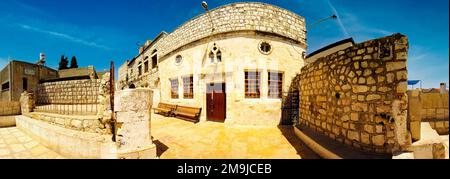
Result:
x=365 y=138
x=393 y=66
x=353 y=135
x=378 y=140
x=133 y=100
x=360 y=89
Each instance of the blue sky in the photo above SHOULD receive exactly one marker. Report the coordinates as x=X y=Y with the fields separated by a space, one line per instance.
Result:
x=103 y=30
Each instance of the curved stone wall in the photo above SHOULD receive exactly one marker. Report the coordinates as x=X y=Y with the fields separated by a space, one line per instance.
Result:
x=236 y=17
x=358 y=95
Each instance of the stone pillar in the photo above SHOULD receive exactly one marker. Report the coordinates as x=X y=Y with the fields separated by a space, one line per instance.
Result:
x=27 y=102
x=134 y=140
x=415 y=113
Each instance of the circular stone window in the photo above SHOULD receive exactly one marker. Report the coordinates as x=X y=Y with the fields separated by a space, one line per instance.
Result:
x=265 y=47
x=178 y=59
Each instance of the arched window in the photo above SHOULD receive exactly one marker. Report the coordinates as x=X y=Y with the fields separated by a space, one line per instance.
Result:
x=211 y=57
x=140 y=69
x=219 y=56
x=178 y=59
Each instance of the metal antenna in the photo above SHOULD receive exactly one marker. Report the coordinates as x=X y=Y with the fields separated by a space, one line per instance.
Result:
x=333 y=17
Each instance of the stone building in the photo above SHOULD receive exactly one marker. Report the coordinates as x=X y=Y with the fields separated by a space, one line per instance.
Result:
x=235 y=62
x=19 y=76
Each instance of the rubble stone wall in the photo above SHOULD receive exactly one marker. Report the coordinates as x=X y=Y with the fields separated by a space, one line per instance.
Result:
x=357 y=96
x=8 y=108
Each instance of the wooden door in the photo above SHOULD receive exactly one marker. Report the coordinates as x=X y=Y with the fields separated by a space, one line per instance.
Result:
x=216 y=102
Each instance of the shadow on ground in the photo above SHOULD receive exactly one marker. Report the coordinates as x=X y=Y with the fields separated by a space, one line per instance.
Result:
x=160 y=148
x=302 y=149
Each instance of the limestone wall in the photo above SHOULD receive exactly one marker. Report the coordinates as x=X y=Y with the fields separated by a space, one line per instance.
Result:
x=430 y=107
x=8 y=108
x=358 y=95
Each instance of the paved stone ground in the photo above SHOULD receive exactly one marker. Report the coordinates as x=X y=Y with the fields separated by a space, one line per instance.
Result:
x=178 y=139
x=14 y=144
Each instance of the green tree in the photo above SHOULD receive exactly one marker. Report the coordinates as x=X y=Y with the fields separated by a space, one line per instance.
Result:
x=73 y=62
x=63 y=63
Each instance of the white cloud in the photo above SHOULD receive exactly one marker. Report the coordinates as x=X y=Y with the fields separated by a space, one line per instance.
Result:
x=64 y=36
x=341 y=25
x=351 y=25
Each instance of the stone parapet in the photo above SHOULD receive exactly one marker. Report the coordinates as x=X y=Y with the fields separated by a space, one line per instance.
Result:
x=246 y=16
x=69 y=143
x=84 y=123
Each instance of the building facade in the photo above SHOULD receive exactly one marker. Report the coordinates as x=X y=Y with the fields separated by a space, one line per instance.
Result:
x=19 y=76
x=236 y=62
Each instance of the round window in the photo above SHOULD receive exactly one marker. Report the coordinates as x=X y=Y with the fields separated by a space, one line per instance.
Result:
x=178 y=59
x=265 y=47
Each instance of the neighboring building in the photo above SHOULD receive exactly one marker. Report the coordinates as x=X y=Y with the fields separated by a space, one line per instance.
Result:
x=330 y=49
x=236 y=62
x=19 y=76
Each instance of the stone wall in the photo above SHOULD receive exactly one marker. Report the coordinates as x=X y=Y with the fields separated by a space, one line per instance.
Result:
x=8 y=108
x=357 y=96
x=68 y=92
x=429 y=107
x=76 y=97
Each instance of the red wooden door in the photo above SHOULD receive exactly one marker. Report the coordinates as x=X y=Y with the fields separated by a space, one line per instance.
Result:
x=216 y=102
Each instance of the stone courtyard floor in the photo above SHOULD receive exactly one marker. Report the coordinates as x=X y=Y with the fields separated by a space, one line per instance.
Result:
x=178 y=139
x=14 y=144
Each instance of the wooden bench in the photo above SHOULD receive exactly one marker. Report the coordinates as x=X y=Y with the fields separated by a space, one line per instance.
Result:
x=190 y=113
x=165 y=109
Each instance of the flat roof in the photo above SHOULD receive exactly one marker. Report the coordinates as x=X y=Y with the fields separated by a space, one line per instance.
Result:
x=332 y=46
